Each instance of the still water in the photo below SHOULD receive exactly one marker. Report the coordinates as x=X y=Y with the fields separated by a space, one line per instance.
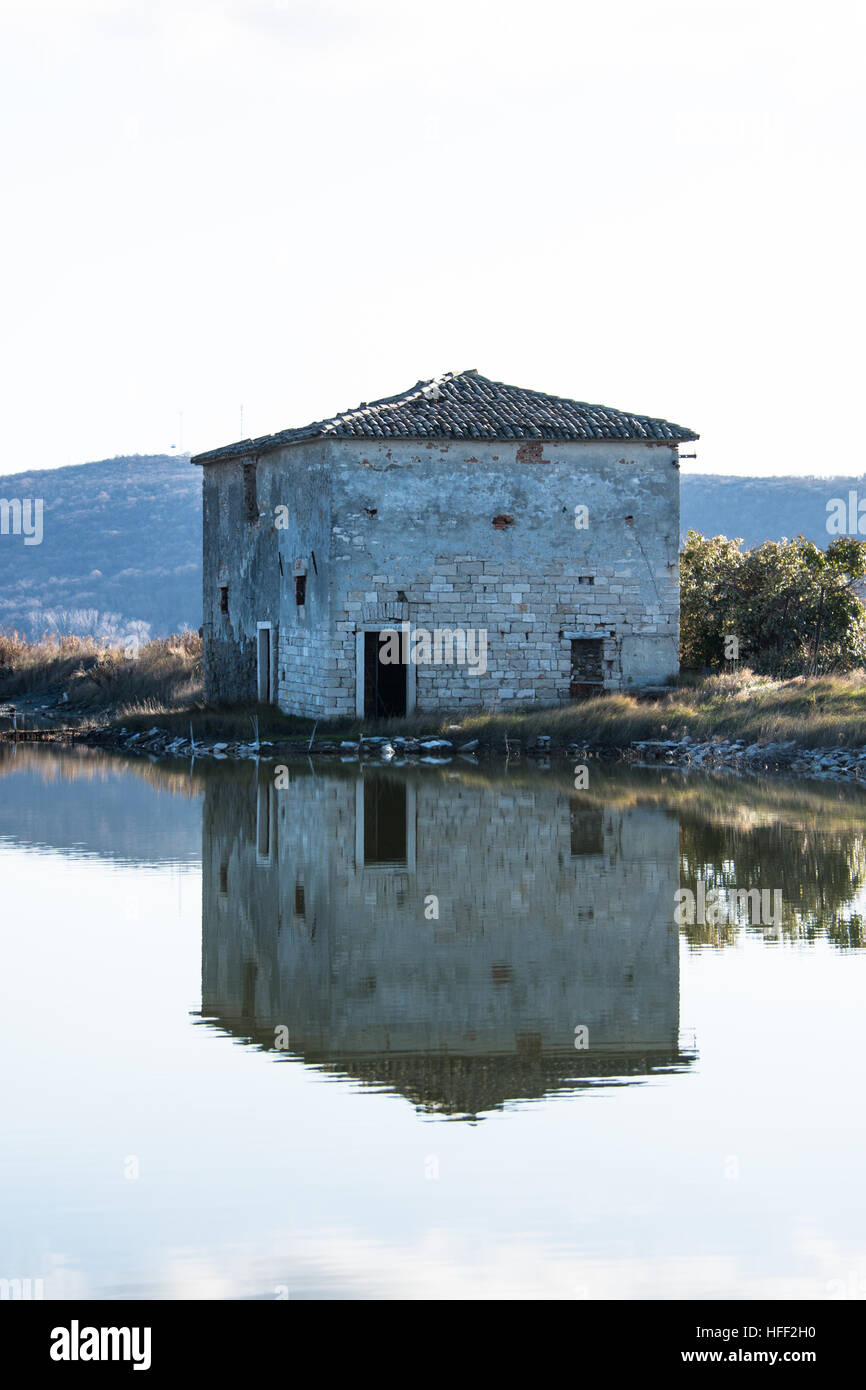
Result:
x=433 y=1033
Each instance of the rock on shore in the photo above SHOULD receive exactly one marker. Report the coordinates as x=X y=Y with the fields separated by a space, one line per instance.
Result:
x=738 y=756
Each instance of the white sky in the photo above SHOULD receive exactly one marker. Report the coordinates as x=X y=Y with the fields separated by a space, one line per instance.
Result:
x=294 y=206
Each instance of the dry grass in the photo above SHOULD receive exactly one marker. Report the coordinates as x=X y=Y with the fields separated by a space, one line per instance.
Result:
x=820 y=712
x=231 y=723
x=92 y=674
x=829 y=710
x=162 y=686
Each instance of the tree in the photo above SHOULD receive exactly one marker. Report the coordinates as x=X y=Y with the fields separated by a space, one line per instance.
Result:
x=793 y=608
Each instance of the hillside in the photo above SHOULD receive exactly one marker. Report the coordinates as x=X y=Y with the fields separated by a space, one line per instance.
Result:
x=761 y=509
x=121 y=553
x=121 y=550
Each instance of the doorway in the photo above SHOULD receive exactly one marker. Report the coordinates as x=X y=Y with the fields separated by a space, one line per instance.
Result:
x=587 y=667
x=384 y=684
x=385 y=823
x=265 y=663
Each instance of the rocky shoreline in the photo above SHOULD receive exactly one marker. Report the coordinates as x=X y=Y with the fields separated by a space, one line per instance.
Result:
x=45 y=716
x=158 y=742
x=726 y=756
x=738 y=756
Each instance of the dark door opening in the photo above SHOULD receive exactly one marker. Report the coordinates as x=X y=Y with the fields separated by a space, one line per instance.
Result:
x=587 y=667
x=384 y=685
x=587 y=830
x=385 y=823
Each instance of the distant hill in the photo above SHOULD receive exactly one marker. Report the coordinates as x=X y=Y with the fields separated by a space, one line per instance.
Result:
x=762 y=509
x=121 y=550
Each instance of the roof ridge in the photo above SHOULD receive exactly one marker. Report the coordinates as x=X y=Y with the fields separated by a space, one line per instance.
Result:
x=467 y=405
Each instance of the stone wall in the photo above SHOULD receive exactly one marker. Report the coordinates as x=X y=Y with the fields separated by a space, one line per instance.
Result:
x=251 y=551
x=449 y=535
x=482 y=536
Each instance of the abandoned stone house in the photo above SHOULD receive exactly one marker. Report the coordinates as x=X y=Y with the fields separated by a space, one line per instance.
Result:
x=504 y=547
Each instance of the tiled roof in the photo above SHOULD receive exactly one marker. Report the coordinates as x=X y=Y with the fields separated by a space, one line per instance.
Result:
x=464 y=405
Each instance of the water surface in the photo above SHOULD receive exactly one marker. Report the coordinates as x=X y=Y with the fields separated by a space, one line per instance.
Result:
x=427 y=1033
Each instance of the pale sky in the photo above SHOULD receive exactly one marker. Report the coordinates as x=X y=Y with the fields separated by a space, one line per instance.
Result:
x=293 y=206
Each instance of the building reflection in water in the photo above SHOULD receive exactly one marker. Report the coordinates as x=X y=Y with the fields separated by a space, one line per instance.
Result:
x=554 y=915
